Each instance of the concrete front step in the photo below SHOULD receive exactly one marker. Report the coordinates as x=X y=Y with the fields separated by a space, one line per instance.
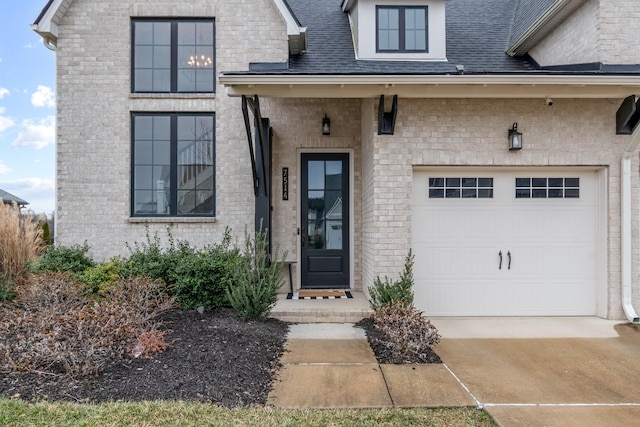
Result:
x=343 y=310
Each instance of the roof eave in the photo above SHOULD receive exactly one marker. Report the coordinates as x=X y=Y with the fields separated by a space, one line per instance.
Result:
x=49 y=34
x=347 y=5
x=543 y=26
x=432 y=86
x=298 y=41
x=297 y=34
x=46 y=24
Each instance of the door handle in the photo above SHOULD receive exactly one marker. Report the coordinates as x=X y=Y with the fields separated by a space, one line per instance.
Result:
x=509 y=255
x=304 y=239
x=500 y=265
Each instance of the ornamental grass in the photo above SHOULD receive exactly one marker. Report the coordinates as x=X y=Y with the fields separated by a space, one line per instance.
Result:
x=20 y=243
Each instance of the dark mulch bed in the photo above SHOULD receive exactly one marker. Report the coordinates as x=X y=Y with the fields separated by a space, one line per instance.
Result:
x=216 y=357
x=384 y=355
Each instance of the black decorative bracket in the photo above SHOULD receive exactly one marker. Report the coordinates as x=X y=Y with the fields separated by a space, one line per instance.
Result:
x=253 y=105
x=387 y=120
x=628 y=115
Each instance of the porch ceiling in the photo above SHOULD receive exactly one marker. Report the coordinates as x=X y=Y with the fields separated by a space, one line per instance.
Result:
x=441 y=86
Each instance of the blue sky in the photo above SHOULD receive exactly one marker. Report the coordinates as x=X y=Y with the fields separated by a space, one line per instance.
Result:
x=27 y=107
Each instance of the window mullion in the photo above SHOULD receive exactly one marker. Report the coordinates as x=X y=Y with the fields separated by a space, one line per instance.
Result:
x=401 y=29
x=173 y=195
x=174 y=57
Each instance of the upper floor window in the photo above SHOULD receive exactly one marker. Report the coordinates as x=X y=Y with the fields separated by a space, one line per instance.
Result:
x=173 y=164
x=401 y=29
x=172 y=56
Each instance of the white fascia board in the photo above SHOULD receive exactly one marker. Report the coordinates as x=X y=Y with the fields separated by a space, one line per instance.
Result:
x=347 y=5
x=543 y=26
x=47 y=30
x=498 y=79
x=440 y=86
x=47 y=27
x=297 y=34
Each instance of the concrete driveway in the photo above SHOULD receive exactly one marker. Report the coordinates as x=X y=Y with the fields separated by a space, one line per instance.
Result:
x=547 y=372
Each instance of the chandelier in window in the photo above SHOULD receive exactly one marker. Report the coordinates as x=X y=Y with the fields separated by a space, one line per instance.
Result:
x=200 y=61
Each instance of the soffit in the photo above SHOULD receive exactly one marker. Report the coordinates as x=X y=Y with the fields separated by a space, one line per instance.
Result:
x=443 y=86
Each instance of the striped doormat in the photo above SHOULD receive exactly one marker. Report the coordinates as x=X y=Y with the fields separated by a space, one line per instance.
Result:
x=319 y=295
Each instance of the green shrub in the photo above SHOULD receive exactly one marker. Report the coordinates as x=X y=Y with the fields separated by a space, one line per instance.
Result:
x=46 y=233
x=407 y=333
x=100 y=278
x=201 y=278
x=72 y=259
x=7 y=289
x=198 y=278
x=257 y=279
x=150 y=259
x=388 y=292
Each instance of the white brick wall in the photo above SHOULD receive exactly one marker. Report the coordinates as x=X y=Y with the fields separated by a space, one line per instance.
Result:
x=620 y=43
x=94 y=105
x=599 y=31
x=93 y=151
x=369 y=228
x=474 y=133
x=297 y=128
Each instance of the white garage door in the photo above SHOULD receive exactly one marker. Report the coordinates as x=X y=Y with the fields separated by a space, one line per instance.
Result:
x=517 y=243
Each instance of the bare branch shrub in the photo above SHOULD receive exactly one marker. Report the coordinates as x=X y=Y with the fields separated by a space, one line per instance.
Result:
x=53 y=328
x=406 y=330
x=20 y=243
x=150 y=342
x=50 y=293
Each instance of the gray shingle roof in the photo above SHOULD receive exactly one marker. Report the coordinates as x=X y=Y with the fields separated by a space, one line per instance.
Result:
x=7 y=197
x=43 y=11
x=528 y=12
x=478 y=34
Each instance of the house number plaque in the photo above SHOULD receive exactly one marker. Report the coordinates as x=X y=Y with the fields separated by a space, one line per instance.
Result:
x=285 y=183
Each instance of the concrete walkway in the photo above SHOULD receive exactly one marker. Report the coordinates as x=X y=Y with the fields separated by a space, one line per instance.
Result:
x=527 y=372
x=332 y=366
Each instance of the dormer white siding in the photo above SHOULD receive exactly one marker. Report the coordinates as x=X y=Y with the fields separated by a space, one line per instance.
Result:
x=363 y=17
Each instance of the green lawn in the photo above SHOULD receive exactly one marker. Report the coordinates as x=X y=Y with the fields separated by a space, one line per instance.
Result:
x=18 y=413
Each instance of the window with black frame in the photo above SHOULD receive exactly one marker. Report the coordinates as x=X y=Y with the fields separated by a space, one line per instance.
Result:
x=401 y=29
x=173 y=164
x=173 y=56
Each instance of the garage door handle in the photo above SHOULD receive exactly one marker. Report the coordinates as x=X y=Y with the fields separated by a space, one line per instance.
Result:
x=500 y=265
x=509 y=255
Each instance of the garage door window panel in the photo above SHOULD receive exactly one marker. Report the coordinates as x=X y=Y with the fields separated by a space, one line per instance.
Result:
x=547 y=188
x=460 y=187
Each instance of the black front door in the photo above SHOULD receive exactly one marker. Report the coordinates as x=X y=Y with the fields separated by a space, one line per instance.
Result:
x=325 y=220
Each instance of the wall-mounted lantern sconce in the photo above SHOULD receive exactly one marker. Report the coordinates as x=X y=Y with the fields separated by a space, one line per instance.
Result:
x=326 y=125
x=515 y=138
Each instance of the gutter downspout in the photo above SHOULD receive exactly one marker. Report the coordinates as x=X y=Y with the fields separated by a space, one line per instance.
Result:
x=49 y=44
x=626 y=249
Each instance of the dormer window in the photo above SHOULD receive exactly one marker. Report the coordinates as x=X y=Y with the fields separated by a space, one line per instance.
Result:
x=401 y=29
x=398 y=30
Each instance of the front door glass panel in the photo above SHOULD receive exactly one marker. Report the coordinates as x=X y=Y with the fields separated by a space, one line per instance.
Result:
x=324 y=204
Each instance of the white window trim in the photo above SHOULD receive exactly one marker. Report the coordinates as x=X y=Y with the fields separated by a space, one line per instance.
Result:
x=364 y=31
